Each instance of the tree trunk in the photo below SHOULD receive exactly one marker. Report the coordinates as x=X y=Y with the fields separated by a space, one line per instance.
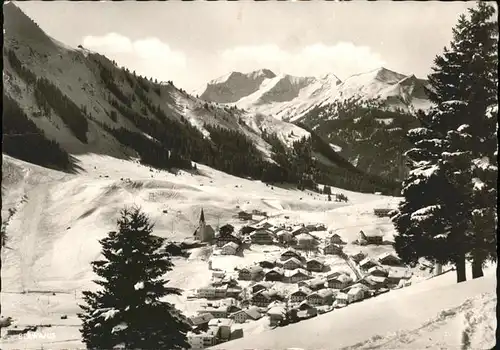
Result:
x=477 y=268
x=460 y=266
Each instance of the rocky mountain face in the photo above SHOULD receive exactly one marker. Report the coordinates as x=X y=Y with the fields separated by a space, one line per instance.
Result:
x=289 y=98
x=65 y=101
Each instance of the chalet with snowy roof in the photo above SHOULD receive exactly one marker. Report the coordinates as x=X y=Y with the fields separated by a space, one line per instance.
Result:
x=223 y=326
x=332 y=249
x=261 y=298
x=262 y=236
x=298 y=275
x=314 y=283
x=315 y=227
x=285 y=236
x=321 y=297
x=305 y=305
x=242 y=316
x=229 y=248
x=257 y=287
x=395 y=276
x=276 y=274
x=292 y=264
x=335 y=239
x=339 y=282
x=276 y=315
x=299 y=295
x=243 y=215
x=342 y=299
x=377 y=281
x=378 y=271
x=234 y=292
x=223 y=239
x=253 y=273
x=290 y=253
x=315 y=264
x=200 y=320
x=367 y=263
x=267 y=264
x=306 y=241
x=220 y=311
x=298 y=230
x=204 y=232
x=358 y=257
x=390 y=259
x=356 y=294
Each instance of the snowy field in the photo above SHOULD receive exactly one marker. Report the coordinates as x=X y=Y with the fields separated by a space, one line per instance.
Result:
x=59 y=218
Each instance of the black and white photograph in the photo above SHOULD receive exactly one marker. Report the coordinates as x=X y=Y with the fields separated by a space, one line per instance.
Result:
x=249 y=175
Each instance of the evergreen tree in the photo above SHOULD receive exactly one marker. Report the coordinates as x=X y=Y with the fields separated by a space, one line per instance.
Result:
x=439 y=218
x=127 y=310
x=468 y=73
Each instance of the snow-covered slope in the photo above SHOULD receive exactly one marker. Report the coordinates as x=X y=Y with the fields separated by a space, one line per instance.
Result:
x=435 y=314
x=288 y=97
x=59 y=218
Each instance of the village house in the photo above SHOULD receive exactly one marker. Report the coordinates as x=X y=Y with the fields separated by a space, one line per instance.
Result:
x=204 y=232
x=262 y=236
x=316 y=227
x=298 y=230
x=378 y=271
x=223 y=239
x=243 y=215
x=336 y=239
x=341 y=299
x=276 y=274
x=358 y=257
x=285 y=237
x=259 y=212
x=261 y=298
x=367 y=263
x=315 y=265
x=298 y=275
x=314 y=284
x=395 y=276
x=321 y=297
x=389 y=259
x=292 y=264
x=356 y=294
x=276 y=315
x=337 y=273
x=306 y=241
x=253 y=273
x=242 y=316
x=339 y=282
x=299 y=295
x=206 y=292
x=290 y=253
x=223 y=326
x=229 y=248
x=257 y=287
x=332 y=249
x=305 y=305
x=202 y=340
x=220 y=311
x=200 y=320
x=379 y=281
x=267 y=264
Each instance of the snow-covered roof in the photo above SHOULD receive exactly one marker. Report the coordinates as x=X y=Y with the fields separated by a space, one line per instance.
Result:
x=253 y=312
x=231 y=245
x=387 y=255
x=294 y=260
x=299 y=270
x=277 y=310
x=220 y=322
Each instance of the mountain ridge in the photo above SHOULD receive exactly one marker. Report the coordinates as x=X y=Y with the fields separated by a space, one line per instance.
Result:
x=292 y=100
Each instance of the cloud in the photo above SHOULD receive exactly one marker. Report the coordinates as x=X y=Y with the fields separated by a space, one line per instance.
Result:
x=343 y=59
x=147 y=56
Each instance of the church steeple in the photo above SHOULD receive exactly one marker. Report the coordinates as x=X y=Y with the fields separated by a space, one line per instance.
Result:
x=202 y=217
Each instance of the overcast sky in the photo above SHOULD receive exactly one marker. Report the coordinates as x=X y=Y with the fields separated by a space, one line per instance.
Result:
x=194 y=42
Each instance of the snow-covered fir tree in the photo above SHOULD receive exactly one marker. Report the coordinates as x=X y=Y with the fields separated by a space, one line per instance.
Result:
x=444 y=216
x=127 y=310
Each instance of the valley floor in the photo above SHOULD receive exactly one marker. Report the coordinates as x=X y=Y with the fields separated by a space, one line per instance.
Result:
x=57 y=220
